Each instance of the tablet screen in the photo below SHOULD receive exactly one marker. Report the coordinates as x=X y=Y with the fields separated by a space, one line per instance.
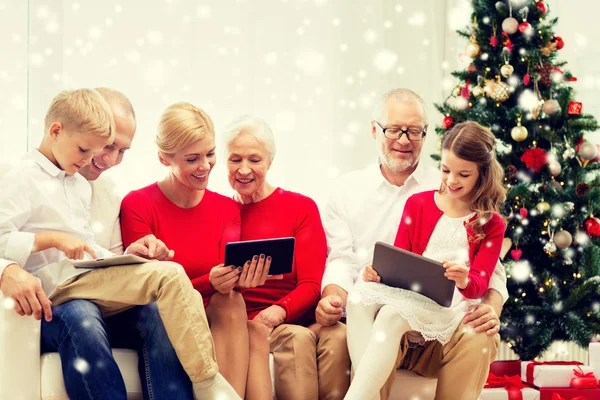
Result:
x=281 y=251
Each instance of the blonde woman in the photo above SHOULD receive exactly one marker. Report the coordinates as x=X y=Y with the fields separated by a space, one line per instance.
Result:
x=196 y=223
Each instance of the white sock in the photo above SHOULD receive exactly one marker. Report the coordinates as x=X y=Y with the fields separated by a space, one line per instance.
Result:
x=215 y=388
x=382 y=348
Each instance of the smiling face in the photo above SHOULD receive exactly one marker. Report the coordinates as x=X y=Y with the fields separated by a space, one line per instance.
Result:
x=112 y=153
x=73 y=150
x=402 y=154
x=248 y=162
x=191 y=165
x=459 y=176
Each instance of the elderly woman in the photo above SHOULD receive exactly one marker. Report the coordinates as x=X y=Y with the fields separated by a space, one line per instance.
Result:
x=285 y=307
x=196 y=224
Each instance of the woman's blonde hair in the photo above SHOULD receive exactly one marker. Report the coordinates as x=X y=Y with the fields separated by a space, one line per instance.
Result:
x=84 y=111
x=181 y=125
x=472 y=142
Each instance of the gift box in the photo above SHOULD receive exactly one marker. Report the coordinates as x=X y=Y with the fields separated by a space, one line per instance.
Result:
x=594 y=356
x=583 y=380
x=554 y=374
x=569 y=394
x=507 y=387
x=508 y=368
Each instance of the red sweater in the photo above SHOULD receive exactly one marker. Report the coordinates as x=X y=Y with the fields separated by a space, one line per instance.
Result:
x=284 y=214
x=197 y=235
x=418 y=222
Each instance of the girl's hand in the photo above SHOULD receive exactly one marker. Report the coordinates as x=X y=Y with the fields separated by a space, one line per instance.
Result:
x=370 y=275
x=457 y=272
x=223 y=279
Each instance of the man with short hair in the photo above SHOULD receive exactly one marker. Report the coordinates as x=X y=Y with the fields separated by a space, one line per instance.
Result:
x=77 y=329
x=366 y=207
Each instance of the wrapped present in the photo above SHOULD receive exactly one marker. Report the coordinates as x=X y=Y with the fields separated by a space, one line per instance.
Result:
x=583 y=380
x=594 y=355
x=507 y=387
x=500 y=368
x=551 y=373
x=569 y=394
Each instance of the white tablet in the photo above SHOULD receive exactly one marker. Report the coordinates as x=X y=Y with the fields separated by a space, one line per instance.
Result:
x=127 y=259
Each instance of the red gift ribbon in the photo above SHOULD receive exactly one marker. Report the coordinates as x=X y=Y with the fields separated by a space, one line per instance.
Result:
x=580 y=374
x=557 y=396
x=534 y=364
x=512 y=384
x=583 y=380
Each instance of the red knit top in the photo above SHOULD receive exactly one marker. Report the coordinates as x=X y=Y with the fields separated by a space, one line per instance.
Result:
x=285 y=214
x=418 y=222
x=197 y=235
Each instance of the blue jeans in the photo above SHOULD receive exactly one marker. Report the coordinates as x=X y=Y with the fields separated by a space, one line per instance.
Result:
x=84 y=340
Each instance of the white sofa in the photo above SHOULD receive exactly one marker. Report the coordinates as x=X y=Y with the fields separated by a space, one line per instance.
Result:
x=24 y=375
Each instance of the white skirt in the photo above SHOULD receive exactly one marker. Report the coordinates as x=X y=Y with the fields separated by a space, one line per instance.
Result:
x=424 y=315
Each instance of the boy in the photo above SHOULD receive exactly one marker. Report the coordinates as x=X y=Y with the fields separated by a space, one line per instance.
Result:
x=44 y=212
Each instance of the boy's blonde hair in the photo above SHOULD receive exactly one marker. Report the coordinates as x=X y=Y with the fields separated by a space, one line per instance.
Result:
x=181 y=125
x=84 y=111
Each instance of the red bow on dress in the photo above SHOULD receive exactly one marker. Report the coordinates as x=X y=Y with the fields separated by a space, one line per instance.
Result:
x=512 y=384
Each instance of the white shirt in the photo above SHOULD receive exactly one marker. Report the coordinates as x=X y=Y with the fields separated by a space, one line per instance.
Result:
x=365 y=208
x=104 y=214
x=36 y=197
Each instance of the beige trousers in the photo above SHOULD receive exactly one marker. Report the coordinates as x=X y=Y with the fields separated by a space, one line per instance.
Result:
x=310 y=363
x=116 y=289
x=461 y=366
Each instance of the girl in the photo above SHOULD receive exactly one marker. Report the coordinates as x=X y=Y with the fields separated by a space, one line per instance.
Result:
x=459 y=225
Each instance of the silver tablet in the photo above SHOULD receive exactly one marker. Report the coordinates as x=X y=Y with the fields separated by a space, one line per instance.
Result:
x=405 y=270
x=127 y=259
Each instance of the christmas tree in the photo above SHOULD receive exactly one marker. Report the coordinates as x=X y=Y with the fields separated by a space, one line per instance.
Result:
x=516 y=86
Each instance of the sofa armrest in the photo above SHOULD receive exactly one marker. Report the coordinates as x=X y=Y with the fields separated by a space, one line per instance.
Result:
x=20 y=350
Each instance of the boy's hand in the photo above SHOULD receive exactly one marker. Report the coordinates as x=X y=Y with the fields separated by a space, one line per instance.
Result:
x=151 y=248
x=459 y=273
x=25 y=290
x=73 y=247
x=370 y=275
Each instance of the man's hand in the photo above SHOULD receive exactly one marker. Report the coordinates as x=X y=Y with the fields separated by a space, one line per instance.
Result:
x=26 y=291
x=271 y=316
x=223 y=279
x=151 y=248
x=483 y=318
x=329 y=310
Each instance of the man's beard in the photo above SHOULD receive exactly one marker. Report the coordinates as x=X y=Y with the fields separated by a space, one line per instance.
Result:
x=397 y=165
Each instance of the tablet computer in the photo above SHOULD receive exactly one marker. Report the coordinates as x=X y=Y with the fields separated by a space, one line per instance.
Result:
x=405 y=270
x=109 y=261
x=281 y=251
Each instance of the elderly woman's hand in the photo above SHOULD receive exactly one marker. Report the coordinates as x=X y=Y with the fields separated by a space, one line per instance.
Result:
x=256 y=272
x=370 y=275
x=223 y=279
x=271 y=316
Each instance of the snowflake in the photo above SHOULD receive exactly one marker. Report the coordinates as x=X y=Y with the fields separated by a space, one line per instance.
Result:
x=81 y=365
x=417 y=19
x=380 y=336
x=520 y=271
x=310 y=61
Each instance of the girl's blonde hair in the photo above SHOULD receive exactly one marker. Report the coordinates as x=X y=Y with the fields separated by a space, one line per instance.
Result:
x=84 y=111
x=472 y=142
x=181 y=125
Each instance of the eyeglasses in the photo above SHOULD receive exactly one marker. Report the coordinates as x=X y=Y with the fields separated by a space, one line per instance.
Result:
x=413 y=134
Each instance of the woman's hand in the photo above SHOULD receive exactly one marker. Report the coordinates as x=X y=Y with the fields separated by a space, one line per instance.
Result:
x=256 y=272
x=271 y=316
x=151 y=248
x=223 y=279
x=370 y=275
x=457 y=272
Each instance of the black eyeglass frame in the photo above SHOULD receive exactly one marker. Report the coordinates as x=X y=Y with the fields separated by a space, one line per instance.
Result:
x=403 y=132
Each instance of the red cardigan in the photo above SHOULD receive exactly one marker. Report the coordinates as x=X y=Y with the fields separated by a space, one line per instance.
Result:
x=284 y=214
x=418 y=222
x=197 y=235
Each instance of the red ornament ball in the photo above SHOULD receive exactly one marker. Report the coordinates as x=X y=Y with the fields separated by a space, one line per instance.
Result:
x=592 y=227
x=560 y=43
x=542 y=7
x=448 y=121
x=524 y=212
x=524 y=27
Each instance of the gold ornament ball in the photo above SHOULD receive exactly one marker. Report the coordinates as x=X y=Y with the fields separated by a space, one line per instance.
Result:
x=518 y=133
x=500 y=92
x=563 y=239
x=456 y=91
x=588 y=151
x=550 y=107
x=554 y=168
x=510 y=25
x=473 y=49
x=542 y=206
x=507 y=70
x=477 y=91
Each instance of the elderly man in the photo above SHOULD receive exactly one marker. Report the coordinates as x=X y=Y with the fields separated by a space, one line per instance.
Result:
x=366 y=207
x=76 y=329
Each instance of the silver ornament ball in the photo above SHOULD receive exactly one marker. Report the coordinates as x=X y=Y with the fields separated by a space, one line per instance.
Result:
x=588 y=151
x=550 y=107
x=563 y=239
x=510 y=25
